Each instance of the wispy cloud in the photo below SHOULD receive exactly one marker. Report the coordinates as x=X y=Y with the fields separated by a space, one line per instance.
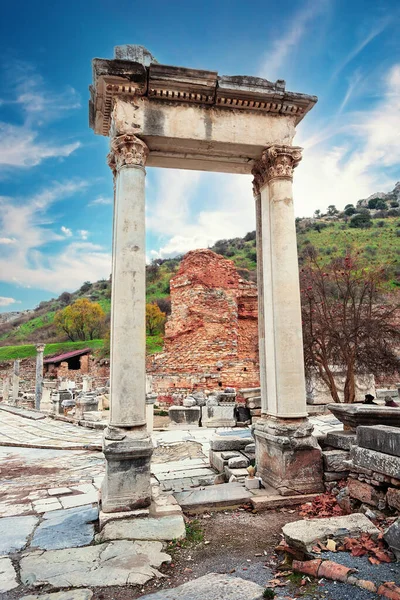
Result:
x=27 y=144
x=83 y=233
x=353 y=84
x=29 y=223
x=101 y=200
x=287 y=43
x=367 y=39
x=4 y=301
x=342 y=169
x=66 y=231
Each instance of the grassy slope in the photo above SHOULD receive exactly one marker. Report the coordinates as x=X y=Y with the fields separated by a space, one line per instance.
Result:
x=379 y=244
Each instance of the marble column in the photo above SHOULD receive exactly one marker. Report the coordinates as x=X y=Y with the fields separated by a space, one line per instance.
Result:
x=260 y=287
x=6 y=389
x=39 y=375
x=127 y=445
x=287 y=455
x=15 y=383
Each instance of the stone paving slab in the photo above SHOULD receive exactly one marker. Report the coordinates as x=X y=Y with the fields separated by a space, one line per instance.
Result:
x=212 y=586
x=69 y=595
x=114 y=563
x=15 y=531
x=70 y=528
x=213 y=496
x=160 y=528
x=8 y=576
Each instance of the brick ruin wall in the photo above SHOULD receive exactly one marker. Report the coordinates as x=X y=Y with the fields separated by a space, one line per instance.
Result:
x=211 y=337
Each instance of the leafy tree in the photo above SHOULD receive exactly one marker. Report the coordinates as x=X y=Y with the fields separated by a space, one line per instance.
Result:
x=348 y=322
x=65 y=298
x=317 y=213
x=82 y=320
x=361 y=221
x=155 y=319
x=372 y=203
x=349 y=210
x=332 y=210
x=251 y=236
x=381 y=205
x=85 y=287
x=394 y=204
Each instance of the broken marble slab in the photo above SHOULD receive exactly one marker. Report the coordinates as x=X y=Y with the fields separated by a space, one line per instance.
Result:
x=303 y=535
x=212 y=586
x=153 y=528
x=8 y=576
x=69 y=528
x=115 y=563
x=15 y=531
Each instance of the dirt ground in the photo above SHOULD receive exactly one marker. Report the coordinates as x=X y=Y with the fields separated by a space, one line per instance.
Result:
x=237 y=542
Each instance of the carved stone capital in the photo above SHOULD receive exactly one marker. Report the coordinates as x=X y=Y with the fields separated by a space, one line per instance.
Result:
x=126 y=150
x=276 y=162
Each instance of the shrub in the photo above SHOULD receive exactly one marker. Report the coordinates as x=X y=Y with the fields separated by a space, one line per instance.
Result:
x=361 y=221
x=251 y=236
x=380 y=223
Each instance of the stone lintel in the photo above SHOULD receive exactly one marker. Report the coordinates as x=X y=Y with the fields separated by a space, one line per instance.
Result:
x=381 y=438
x=119 y=77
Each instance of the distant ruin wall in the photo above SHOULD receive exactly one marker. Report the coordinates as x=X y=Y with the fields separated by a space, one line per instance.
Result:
x=211 y=336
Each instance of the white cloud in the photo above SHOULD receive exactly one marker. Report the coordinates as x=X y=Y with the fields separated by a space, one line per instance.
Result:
x=7 y=241
x=29 y=224
x=24 y=145
x=101 y=200
x=362 y=163
x=66 y=231
x=83 y=233
x=4 y=301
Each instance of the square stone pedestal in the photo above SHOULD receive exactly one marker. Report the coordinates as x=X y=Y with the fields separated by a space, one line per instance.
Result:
x=126 y=485
x=288 y=457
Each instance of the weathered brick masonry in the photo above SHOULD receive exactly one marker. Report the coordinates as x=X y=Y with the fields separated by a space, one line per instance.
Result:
x=211 y=337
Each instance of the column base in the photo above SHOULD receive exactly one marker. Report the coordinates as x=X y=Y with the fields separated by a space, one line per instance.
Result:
x=126 y=485
x=288 y=457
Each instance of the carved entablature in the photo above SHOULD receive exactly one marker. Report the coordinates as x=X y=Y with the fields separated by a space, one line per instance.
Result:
x=276 y=162
x=127 y=79
x=126 y=150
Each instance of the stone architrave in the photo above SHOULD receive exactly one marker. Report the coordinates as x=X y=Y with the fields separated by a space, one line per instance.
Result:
x=39 y=375
x=183 y=118
x=287 y=455
x=15 y=383
x=127 y=445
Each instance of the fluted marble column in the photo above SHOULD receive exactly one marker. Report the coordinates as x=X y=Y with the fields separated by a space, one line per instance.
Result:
x=260 y=289
x=39 y=375
x=287 y=455
x=127 y=446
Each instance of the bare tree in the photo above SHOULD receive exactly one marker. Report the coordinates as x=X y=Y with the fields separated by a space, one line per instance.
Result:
x=349 y=321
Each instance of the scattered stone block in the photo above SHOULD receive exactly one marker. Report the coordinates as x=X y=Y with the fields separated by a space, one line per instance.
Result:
x=342 y=440
x=160 y=528
x=15 y=531
x=240 y=474
x=334 y=460
x=219 y=496
x=182 y=417
x=381 y=438
x=238 y=462
x=250 y=448
x=366 y=493
x=221 y=415
x=61 y=491
x=8 y=576
x=302 y=535
x=335 y=476
x=392 y=538
x=252 y=483
x=393 y=498
x=376 y=461
x=114 y=563
x=212 y=586
x=227 y=455
x=68 y=528
x=229 y=442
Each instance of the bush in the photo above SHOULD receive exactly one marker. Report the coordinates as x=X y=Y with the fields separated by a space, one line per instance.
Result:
x=380 y=223
x=350 y=211
x=164 y=304
x=251 y=236
x=361 y=221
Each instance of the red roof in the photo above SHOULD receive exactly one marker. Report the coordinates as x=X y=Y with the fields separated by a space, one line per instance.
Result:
x=66 y=356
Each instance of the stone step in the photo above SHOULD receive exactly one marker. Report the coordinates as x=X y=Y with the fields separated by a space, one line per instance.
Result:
x=213 y=497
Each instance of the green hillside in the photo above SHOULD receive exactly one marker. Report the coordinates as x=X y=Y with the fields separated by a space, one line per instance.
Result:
x=377 y=239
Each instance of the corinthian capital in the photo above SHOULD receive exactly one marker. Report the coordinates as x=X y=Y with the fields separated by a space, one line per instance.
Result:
x=126 y=150
x=276 y=162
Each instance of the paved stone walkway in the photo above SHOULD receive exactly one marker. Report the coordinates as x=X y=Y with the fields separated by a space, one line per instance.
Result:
x=25 y=432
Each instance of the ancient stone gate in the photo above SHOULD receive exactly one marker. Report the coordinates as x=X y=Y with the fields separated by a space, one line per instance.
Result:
x=183 y=118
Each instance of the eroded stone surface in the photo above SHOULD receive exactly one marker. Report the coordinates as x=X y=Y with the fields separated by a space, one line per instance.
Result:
x=212 y=587
x=8 y=577
x=115 y=563
x=381 y=438
x=304 y=534
x=68 y=528
x=15 y=531
x=161 y=528
x=334 y=460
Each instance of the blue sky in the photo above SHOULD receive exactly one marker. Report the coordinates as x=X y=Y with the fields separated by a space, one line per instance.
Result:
x=56 y=189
